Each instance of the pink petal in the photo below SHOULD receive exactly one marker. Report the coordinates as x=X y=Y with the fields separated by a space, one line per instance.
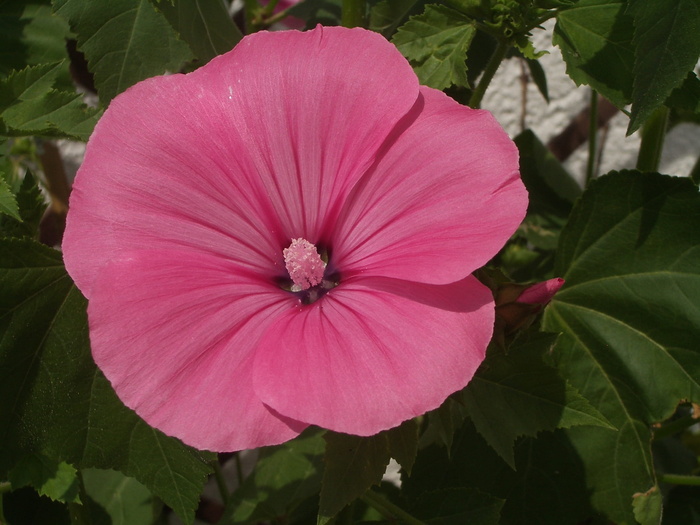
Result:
x=374 y=352
x=237 y=159
x=541 y=293
x=175 y=334
x=442 y=200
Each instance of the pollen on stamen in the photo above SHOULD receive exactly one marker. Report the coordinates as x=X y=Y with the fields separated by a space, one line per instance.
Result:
x=304 y=264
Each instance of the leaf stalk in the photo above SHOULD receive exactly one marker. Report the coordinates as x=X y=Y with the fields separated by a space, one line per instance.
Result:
x=680 y=479
x=388 y=509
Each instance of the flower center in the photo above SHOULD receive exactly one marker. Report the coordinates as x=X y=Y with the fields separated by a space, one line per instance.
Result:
x=304 y=264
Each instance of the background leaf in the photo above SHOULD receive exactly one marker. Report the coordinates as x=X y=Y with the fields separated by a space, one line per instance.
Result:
x=517 y=395
x=29 y=105
x=116 y=499
x=353 y=465
x=283 y=478
x=547 y=487
x=26 y=507
x=62 y=406
x=386 y=15
x=8 y=203
x=667 y=47
x=205 y=25
x=595 y=38
x=458 y=505
x=124 y=41
x=629 y=314
x=30 y=205
x=50 y=478
x=435 y=43
x=30 y=34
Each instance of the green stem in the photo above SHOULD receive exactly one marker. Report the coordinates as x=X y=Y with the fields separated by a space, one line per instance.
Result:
x=592 y=136
x=679 y=479
x=220 y=481
x=491 y=68
x=5 y=486
x=353 y=13
x=674 y=427
x=653 y=134
x=388 y=509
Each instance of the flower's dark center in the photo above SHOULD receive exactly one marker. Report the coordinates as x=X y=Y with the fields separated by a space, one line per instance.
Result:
x=308 y=271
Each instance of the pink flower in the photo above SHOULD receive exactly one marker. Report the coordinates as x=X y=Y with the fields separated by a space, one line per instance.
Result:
x=285 y=237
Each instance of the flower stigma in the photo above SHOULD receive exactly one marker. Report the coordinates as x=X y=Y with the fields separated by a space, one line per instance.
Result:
x=306 y=269
x=304 y=264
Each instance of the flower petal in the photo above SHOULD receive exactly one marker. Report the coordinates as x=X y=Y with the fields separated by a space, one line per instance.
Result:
x=237 y=159
x=442 y=200
x=374 y=352
x=175 y=334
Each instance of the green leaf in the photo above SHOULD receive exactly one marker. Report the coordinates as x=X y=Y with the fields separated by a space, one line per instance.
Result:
x=443 y=422
x=27 y=84
x=8 y=203
x=31 y=34
x=547 y=487
x=31 y=206
x=648 y=507
x=630 y=320
x=538 y=76
x=115 y=499
x=387 y=15
x=284 y=476
x=57 y=114
x=124 y=41
x=667 y=40
x=686 y=98
x=30 y=106
x=551 y=188
x=435 y=43
x=353 y=465
x=205 y=25
x=458 y=505
x=403 y=443
x=517 y=395
x=50 y=478
x=57 y=403
x=595 y=38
